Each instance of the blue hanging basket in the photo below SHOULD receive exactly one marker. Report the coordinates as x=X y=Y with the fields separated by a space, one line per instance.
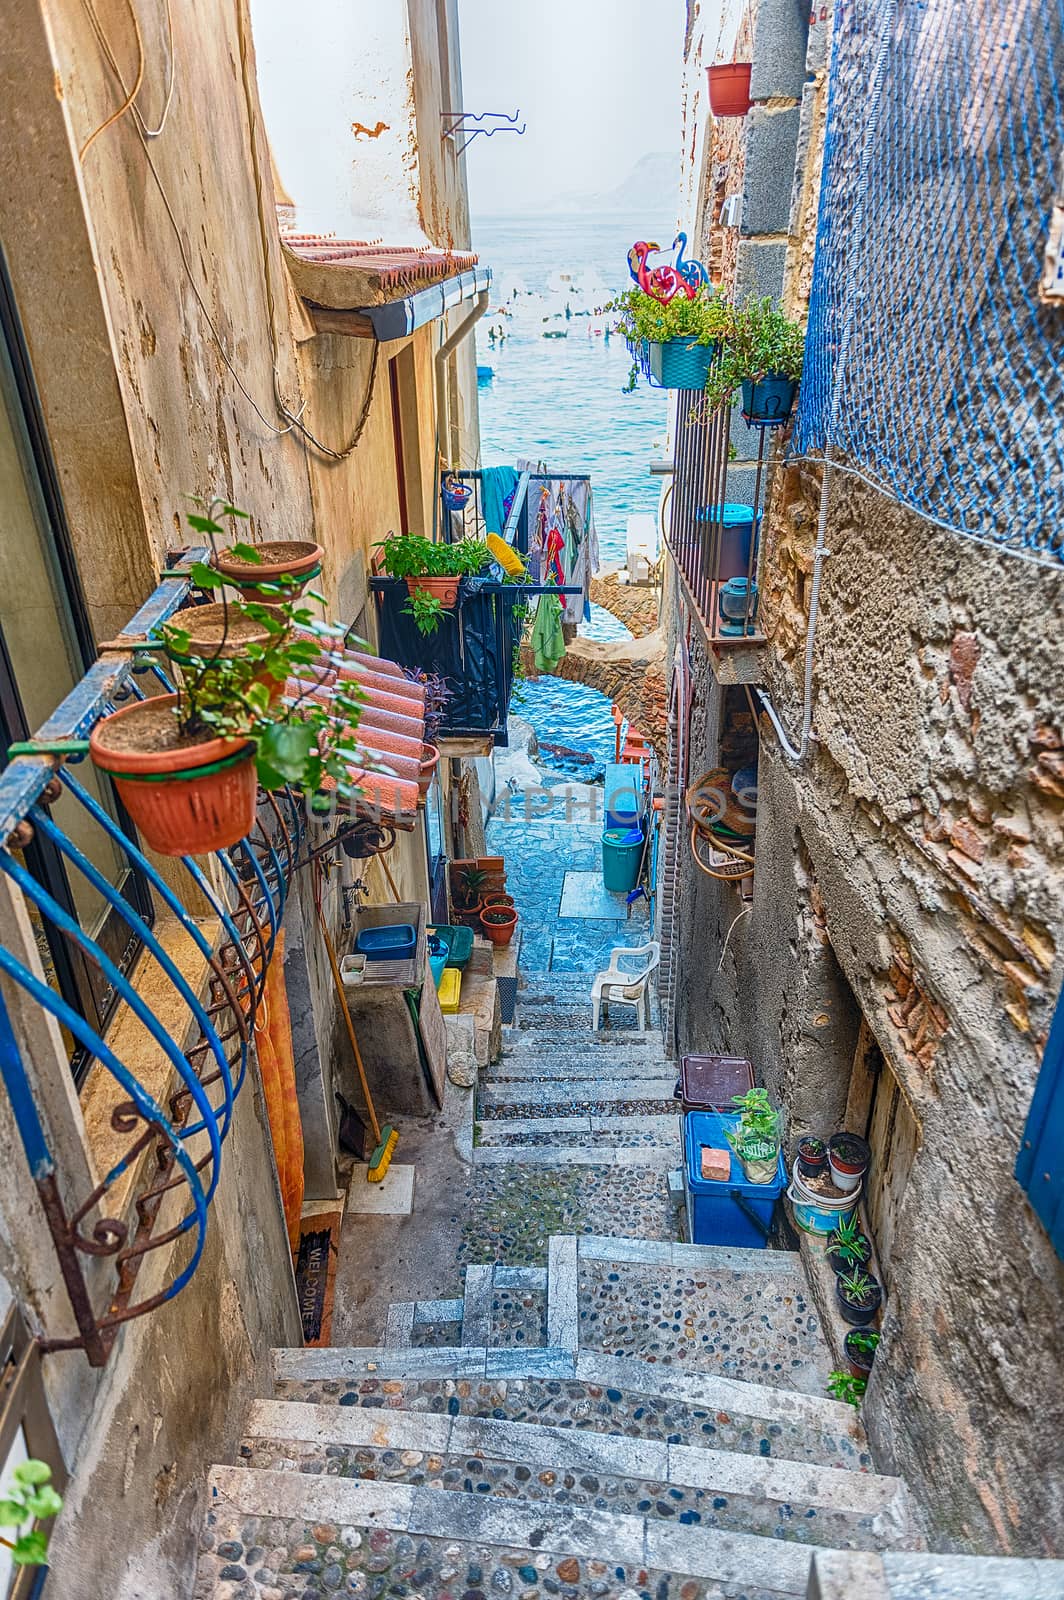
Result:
x=768 y=402
x=456 y=495
x=681 y=364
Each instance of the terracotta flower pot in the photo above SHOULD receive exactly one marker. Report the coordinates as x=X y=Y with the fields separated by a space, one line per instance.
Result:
x=729 y=88
x=221 y=632
x=445 y=589
x=186 y=799
x=298 y=560
x=498 y=923
x=497 y=898
x=430 y=760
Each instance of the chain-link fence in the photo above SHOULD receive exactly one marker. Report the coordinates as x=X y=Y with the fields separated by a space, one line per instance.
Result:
x=933 y=368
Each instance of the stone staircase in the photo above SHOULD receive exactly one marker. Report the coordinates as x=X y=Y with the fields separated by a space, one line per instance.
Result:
x=635 y=1419
x=560 y=1095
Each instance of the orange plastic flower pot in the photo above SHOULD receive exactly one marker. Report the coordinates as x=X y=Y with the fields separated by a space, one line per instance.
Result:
x=184 y=799
x=445 y=589
x=729 y=89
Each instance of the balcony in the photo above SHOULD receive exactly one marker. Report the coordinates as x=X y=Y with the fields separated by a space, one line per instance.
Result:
x=716 y=545
x=127 y=1173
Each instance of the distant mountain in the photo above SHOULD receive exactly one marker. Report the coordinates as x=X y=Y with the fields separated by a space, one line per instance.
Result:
x=650 y=185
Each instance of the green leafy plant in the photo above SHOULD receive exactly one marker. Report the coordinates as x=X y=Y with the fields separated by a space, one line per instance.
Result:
x=757 y=1136
x=411 y=555
x=844 y=1386
x=845 y=1232
x=861 y=1339
x=855 y=1252
x=758 y=340
x=297 y=744
x=426 y=609
x=474 y=879
x=857 y=1286
x=642 y=319
x=28 y=1497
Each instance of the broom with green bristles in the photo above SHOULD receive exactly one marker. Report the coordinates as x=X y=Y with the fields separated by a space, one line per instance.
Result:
x=387 y=1138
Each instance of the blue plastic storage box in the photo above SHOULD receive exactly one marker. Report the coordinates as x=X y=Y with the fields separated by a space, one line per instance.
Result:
x=396 y=941
x=733 y=1213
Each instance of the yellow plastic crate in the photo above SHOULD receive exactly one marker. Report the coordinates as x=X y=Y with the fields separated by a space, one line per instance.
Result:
x=450 y=990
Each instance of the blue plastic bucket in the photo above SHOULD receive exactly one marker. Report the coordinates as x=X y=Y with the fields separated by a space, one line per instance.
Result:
x=679 y=364
x=396 y=941
x=768 y=402
x=622 y=851
x=819 y=1216
x=736 y=534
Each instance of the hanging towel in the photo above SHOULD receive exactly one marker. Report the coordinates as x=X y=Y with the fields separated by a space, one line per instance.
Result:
x=497 y=486
x=548 y=642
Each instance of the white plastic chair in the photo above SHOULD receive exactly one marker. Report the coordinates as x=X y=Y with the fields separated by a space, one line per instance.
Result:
x=620 y=988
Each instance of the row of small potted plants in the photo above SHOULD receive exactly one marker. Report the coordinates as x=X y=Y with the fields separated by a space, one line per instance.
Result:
x=434 y=571
x=478 y=904
x=722 y=347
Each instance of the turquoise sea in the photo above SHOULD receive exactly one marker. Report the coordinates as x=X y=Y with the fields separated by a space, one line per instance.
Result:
x=561 y=399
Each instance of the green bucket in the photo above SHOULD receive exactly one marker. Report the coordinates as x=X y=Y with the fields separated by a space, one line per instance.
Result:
x=622 y=851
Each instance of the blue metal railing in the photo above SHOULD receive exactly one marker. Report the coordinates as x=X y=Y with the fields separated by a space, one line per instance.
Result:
x=173 y=1140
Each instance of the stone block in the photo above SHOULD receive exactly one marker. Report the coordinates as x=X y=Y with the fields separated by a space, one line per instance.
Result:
x=760 y=268
x=781 y=38
x=816 y=49
x=768 y=172
x=716 y=1165
x=461 y=1050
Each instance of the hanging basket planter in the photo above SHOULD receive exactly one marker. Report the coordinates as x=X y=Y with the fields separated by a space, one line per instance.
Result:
x=729 y=88
x=186 y=799
x=286 y=567
x=219 y=632
x=768 y=401
x=456 y=495
x=680 y=363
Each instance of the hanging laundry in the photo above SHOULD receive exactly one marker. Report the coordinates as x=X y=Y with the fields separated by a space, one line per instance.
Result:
x=548 y=642
x=498 y=485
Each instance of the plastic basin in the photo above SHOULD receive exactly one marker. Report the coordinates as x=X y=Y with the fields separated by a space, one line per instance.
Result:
x=396 y=941
x=732 y=1213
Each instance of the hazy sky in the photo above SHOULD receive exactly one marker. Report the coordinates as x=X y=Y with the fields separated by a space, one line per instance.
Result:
x=598 y=82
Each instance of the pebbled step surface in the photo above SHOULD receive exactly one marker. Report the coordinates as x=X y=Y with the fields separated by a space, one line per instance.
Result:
x=759 y=1325
x=727 y=1423
x=555 y=1466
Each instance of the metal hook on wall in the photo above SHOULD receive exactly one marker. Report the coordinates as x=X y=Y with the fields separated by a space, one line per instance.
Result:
x=461 y=122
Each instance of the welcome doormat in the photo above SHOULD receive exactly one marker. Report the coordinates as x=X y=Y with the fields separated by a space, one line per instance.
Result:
x=319 y=1245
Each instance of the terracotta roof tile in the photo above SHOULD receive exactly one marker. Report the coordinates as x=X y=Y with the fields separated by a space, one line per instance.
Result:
x=384 y=272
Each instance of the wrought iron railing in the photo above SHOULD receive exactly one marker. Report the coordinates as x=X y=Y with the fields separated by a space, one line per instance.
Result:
x=165 y=1145
x=715 y=545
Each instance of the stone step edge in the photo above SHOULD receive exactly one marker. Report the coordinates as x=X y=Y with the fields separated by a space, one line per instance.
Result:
x=724 y=1472
x=701 y=1389
x=656 y=1253
x=562 y=1091
x=758 y=1562
x=602 y=1154
x=667 y=1126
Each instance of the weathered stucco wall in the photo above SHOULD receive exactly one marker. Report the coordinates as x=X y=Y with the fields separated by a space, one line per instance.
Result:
x=913 y=871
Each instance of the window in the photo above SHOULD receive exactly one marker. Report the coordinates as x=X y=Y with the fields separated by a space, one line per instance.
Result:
x=45 y=646
x=1040 y=1164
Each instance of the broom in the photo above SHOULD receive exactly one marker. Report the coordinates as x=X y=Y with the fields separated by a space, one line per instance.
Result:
x=387 y=1137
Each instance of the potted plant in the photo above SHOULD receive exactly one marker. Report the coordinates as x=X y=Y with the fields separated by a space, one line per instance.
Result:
x=467 y=900
x=860 y=1345
x=187 y=766
x=432 y=571
x=279 y=569
x=677 y=341
x=812 y=1156
x=847 y=1246
x=859 y=1296
x=430 y=760
x=498 y=923
x=496 y=897
x=729 y=88
x=847 y=1387
x=756 y=1139
x=848 y=1157
x=761 y=353
x=27 y=1499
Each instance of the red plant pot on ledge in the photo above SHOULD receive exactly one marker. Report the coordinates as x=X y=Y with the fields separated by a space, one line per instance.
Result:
x=729 y=88
x=498 y=923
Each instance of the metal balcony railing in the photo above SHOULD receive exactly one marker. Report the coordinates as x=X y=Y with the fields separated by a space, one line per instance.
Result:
x=716 y=553
x=164 y=1159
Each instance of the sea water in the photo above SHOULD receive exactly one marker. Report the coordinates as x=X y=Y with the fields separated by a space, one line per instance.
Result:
x=561 y=399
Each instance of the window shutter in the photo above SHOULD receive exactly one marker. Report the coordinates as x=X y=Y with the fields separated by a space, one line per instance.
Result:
x=1040 y=1164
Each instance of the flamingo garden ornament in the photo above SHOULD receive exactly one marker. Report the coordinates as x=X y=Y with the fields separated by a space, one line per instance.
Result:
x=693 y=272
x=662 y=281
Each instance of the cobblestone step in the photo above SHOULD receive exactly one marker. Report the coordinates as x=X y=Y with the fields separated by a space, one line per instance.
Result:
x=314 y=1531
x=582 y=1390
x=563 y=1060
x=605 y=1472
x=742 y=1313
x=578 y=1092
x=525 y=1132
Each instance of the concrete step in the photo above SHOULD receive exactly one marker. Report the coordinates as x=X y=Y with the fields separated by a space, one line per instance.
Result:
x=902 y=1575
x=746 y=1314
x=577 y=1092
x=698 y=1487
x=561 y=1057
x=583 y=1390
x=515 y=1132
x=330 y=1527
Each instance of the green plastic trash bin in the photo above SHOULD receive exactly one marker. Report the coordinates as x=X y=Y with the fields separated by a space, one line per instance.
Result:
x=622 y=851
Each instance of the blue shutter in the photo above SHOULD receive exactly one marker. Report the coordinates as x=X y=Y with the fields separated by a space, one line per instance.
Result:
x=1040 y=1164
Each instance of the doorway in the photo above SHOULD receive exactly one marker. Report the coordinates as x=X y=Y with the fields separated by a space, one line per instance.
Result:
x=877 y=1109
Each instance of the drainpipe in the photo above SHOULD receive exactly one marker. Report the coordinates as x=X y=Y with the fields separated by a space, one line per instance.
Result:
x=447 y=348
